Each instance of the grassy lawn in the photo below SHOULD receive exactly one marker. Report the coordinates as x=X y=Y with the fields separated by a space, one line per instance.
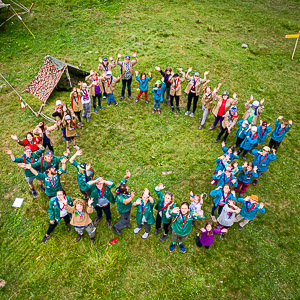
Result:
x=260 y=262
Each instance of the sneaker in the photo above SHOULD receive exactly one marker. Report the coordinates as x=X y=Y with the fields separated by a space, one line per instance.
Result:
x=68 y=149
x=146 y=101
x=178 y=109
x=92 y=240
x=76 y=147
x=81 y=124
x=172 y=247
x=95 y=110
x=69 y=228
x=136 y=230
x=108 y=104
x=159 y=111
x=153 y=111
x=117 y=231
x=128 y=226
x=109 y=224
x=182 y=248
x=145 y=235
x=157 y=231
x=240 y=228
x=244 y=157
x=45 y=239
x=212 y=127
x=116 y=103
x=101 y=107
x=130 y=97
x=163 y=237
x=88 y=120
x=42 y=188
x=213 y=182
x=78 y=237
x=214 y=218
x=217 y=139
x=187 y=113
x=104 y=97
x=168 y=101
x=251 y=154
x=137 y=100
x=222 y=236
x=121 y=98
x=255 y=182
x=192 y=114
x=200 y=127
x=172 y=108
x=97 y=220
x=34 y=194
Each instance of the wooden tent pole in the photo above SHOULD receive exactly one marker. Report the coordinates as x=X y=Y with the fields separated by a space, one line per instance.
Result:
x=295 y=48
x=42 y=106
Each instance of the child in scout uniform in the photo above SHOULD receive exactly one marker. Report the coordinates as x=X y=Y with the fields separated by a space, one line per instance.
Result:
x=164 y=206
x=69 y=123
x=28 y=157
x=262 y=160
x=123 y=199
x=166 y=75
x=196 y=203
x=228 y=123
x=175 y=88
x=226 y=177
x=127 y=72
x=248 y=171
x=158 y=91
x=194 y=89
x=110 y=84
x=76 y=104
x=30 y=141
x=249 y=210
x=207 y=100
x=222 y=107
x=220 y=166
x=263 y=129
x=84 y=175
x=81 y=219
x=143 y=85
x=250 y=140
x=86 y=101
x=144 y=214
x=102 y=197
x=57 y=211
x=221 y=196
x=182 y=225
x=253 y=110
x=105 y=66
x=241 y=133
x=279 y=132
x=229 y=152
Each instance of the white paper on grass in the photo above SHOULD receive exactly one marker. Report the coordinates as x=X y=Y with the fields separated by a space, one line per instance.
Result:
x=18 y=202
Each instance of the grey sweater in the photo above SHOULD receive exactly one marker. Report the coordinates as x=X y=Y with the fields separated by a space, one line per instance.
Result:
x=227 y=216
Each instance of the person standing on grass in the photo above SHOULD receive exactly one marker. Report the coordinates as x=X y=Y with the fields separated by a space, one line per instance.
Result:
x=86 y=101
x=228 y=123
x=262 y=160
x=127 y=72
x=30 y=141
x=182 y=225
x=76 y=104
x=143 y=85
x=123 y=199
x=158 y=91
x=84 y=174
x=69 y=124
x=175 y=88
x=57 y=211
x=164 y=206
x=263 y=129
x=102 y=198
x=166 y=75
x=220 y=166
x=28 y=157
x=241 y=133
x=225 y=177
x=194 y=89
x=253 y=110
x=207 y=101
x=279 y=132
x=222 y=107
x=249 y=210
x=229 y=152
x=248 y=171
x=105 y=66
x=109 y=85
x=248 y=143
x=144 y=214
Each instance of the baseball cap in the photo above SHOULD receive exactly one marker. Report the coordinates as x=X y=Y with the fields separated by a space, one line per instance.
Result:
x=82 y=166
x=67 y=117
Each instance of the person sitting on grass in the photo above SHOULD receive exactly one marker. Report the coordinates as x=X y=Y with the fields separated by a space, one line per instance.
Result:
x=175 y=88
x=245 y=177
x=144 y=214
x=241 y=133
x=248 y=143
x=158 y=91
x=28 y=157
x=109 y=86
x=164 y=206
x=57 y=211
x=123 y=199
x=76 y=104
x=166 y=75
x=81 y=219
x=182 y=225
x=31 y=141
x=225 y=177
x=143 y=85
x=69 y=123
x=253 y=110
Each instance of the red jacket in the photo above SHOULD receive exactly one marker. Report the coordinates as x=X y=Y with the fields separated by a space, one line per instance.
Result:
x=34 y=146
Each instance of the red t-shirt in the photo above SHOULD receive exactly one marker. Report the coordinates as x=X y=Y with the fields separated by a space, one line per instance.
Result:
x=34 y=146
x=222 y=108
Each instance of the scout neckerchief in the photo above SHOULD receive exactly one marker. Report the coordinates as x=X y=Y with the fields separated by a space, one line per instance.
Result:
x=127 y=66
x=85 y=94
x=254 y=136
x=57 y=203
x=278 y=133
x=163 y=207
x=105 y=67
x=262 y=131
x=264 y=157
x=26 y=160
x=53 y=183
x=142 y=80
x=176 y=82
x=41 y=165
x=225 y=198
x=209 y=233
x=100 y=193
x=241 y=130
x=222 y=163
x=158 y=90
x=74 y=99
x=97 y=82
x=182 y=217
x=224 y=177
x=109 y=83
x=230 y=215
x=77 y=213
x=250 y=208
x=206 y=95
x=85 y=174
x=193 y=87
x=167 y=78
x=233 y=116
x=143 y=207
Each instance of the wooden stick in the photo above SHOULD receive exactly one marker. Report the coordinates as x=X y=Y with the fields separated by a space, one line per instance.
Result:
x=295 y=48
x=31 y=6
x=42 y=106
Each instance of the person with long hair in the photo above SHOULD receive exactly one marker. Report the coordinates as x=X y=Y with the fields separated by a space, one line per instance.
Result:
x=143 y=85
x=248 y=171
x=31 y=141
x=76 y=104
x=70 y=126
x=175 y=88
x=166 y=75
x=105 y=66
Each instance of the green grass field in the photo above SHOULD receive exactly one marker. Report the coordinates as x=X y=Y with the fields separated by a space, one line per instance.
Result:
x=262 y=261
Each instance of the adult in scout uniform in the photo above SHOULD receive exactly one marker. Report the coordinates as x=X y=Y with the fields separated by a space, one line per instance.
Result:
x=182 y=224
x=123 y=199
x=144 y=214
x=279 y=132
x=194 y=89
x=127 y=73
x=248 y=143
x=110 y=84
x=249 y=210
x=222 y=107
x=102 y=198
x=57 y=211
x=175 y=88
x=241 y=133
x=207 y=100
x=76 y=104
x=30 y=141
x=228 y=123
x=225 y=177
x=51 y=177
x=105 y=66
x=28 y=157
x=262 y=160
x=84 y=175
x=164 y=206
x=166 y=75
x=253 y=110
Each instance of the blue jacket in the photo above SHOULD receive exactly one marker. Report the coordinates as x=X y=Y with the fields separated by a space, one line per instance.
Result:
x=241 y=132
x=143 y=84
x=278 y=134
x=246 y=210
x=231 y=155
x=220 y=165
x=262 y=134
x=249 y=141
x=247 y=177
x=158 y=94
x=220 y=198
x=225 y=180
x=262 y=162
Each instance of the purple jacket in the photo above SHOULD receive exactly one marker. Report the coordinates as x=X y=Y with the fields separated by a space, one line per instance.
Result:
x=206 y=240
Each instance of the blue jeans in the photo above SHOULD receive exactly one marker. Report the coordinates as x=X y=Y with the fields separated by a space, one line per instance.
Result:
x=156 y=102
x=111 y=98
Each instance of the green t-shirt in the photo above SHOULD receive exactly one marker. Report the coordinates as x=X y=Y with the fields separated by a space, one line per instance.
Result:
x=145 y=210
x=82 y=177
